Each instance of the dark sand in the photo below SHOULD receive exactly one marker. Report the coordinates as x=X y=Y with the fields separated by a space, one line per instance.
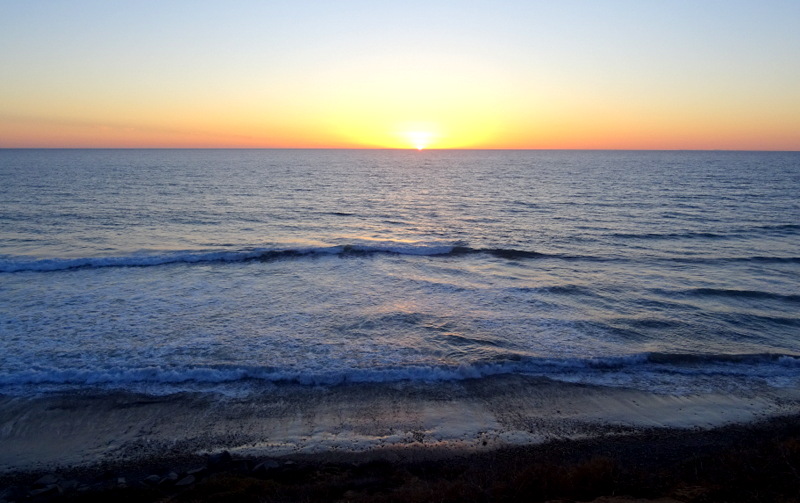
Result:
x=508 y=438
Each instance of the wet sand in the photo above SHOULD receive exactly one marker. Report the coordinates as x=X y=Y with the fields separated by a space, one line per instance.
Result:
x=505 y=438
x=399 y=422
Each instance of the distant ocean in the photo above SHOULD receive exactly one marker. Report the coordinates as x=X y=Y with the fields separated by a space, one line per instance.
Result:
x=231 y=271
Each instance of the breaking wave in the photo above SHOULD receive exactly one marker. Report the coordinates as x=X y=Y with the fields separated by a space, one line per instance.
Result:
x=775 y=368
x=19 y=264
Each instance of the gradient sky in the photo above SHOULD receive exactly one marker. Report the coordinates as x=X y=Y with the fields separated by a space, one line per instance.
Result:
x=632 y=74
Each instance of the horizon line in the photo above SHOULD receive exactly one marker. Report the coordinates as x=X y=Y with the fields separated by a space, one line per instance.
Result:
x=414 y=149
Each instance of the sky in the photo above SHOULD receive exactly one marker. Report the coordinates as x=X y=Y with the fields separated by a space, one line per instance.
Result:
x=566 y=74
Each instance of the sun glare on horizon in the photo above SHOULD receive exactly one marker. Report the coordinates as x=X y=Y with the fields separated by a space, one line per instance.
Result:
x=418 y=135
x=420 y=139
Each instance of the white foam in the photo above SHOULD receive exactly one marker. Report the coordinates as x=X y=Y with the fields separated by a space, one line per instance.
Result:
x=635 y=371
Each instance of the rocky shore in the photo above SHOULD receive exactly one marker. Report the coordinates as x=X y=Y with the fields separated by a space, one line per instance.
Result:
x=743 y=462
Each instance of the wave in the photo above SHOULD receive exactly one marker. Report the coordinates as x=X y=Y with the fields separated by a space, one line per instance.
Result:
x=762 y=366
x=743 y=294
x=11 y=264
x=18 y=264
x=669 y=235
x=782 y=228
x=769 y=260
x=758 y=230
x=733 y=260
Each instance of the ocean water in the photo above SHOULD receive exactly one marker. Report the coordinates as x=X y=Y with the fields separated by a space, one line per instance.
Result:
x=233 y=271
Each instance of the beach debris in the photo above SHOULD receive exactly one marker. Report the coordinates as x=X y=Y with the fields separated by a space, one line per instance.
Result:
x=46 y=480
x=49 y=490
x=185 y=481
x=198 y=472
x=265 y=466
x=152 y=479
x=169 y=479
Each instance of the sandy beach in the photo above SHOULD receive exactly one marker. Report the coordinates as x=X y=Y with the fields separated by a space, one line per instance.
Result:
x=84 y=437
x=471 y=416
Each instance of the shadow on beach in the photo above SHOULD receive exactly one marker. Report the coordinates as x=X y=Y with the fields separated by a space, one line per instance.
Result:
x=748 y=463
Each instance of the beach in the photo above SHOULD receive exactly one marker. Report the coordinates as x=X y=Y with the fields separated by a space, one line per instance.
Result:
x=84 y=439
x=468 y=416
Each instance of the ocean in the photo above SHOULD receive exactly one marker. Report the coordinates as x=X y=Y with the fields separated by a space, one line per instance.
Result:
x=232 y=272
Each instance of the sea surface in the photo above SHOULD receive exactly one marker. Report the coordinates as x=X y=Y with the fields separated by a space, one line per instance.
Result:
x=233 y=271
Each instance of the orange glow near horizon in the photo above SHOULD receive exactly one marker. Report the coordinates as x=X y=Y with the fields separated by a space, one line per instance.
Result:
x=549 y=133
x=415 y=120
x=416 y=112
x=514 y=75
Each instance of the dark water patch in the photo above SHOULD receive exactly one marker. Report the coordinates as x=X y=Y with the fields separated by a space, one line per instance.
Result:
x=481 y=220
x=510 y=254
x=708 y=358
x=733 y=260
x=460 y=339
x=648 y=323
x=741 y=294
x=781 y=320
x=620 y=330
x=669 y=235
x=739 y=319
x=777 y=260
x=661 y=305
x=569 y=290
x=756 y=231
x=525 y=204
x=780 y=228
x=516 y=254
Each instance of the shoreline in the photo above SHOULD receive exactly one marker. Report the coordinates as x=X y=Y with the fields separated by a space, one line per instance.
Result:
x=470 y=416
x=152 y=447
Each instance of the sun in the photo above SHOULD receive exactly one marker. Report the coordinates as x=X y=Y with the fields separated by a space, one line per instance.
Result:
x=419 y=138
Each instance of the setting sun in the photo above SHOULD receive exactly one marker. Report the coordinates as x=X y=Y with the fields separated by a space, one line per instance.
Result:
x=419 y=138
x=362 y=130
